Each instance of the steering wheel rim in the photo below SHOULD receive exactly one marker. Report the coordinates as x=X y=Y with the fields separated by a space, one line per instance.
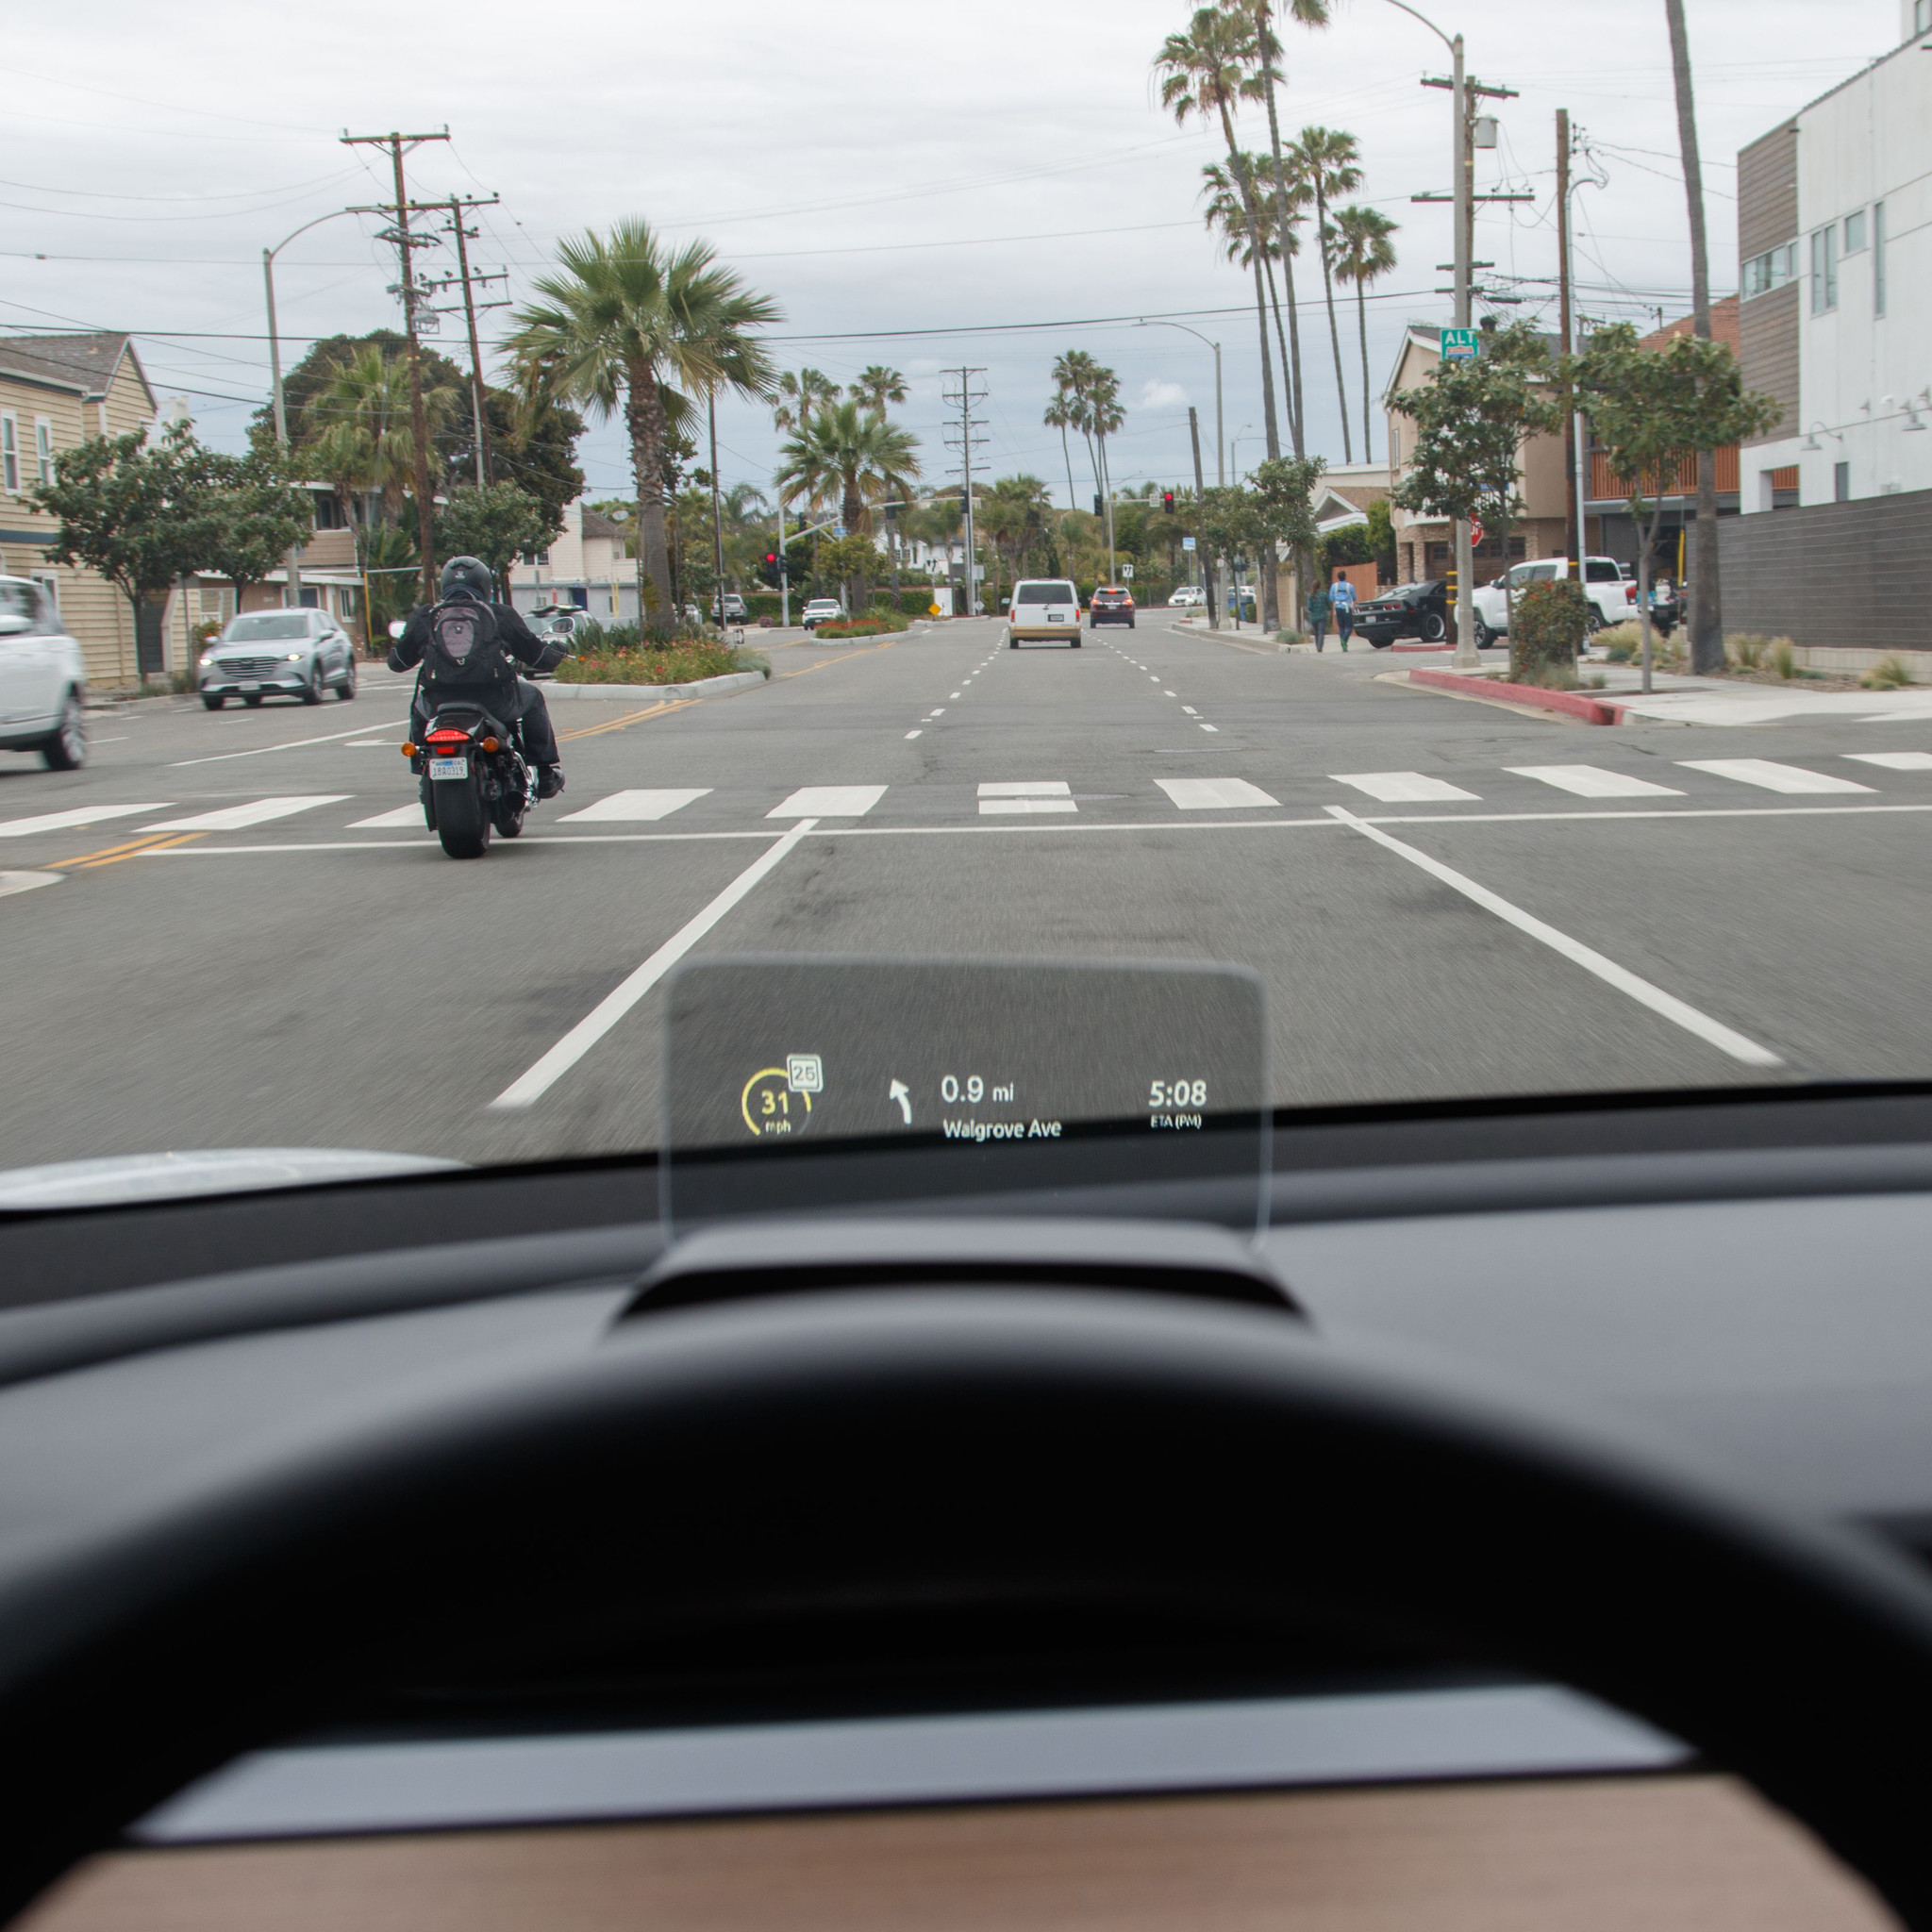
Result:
x=769 y=1460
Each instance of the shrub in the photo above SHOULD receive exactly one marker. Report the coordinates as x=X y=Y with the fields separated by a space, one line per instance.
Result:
x=1620 y=643
x=1784 y=657
x=1889 y=674
x=877 y=624
x=1747 y=650
x=1551 y=623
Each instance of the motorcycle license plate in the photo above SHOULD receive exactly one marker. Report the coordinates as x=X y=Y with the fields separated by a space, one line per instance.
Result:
x=449 y=768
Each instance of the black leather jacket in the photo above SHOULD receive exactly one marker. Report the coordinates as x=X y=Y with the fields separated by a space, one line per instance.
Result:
x=513 y=634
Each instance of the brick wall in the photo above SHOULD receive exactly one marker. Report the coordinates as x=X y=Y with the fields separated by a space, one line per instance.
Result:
x=1856 y=574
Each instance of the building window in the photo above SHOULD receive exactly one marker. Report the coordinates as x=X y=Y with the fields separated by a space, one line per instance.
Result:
x=1878 y=245
x=1855 y=233
x=9 y=454
x=1840 y=482
x=1824 y=269
x=328 y=509
x=1771 y=270
x=44 y=447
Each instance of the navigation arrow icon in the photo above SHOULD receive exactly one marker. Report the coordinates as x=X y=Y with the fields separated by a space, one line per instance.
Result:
x=903 y=1094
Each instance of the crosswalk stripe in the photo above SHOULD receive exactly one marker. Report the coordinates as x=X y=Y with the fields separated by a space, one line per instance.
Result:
x=79 y=815
x=1592 y=782
x=1400 y=788
x=830 y=802
x=633 y=807
x=1895 y=760
x=1214 y=794
x=1026 y=788
x=1007 y=807
x=388 y=821
x=232 y=817
x=1771 y=776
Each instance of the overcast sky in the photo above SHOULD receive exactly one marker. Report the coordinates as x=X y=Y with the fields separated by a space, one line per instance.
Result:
x=909 y=182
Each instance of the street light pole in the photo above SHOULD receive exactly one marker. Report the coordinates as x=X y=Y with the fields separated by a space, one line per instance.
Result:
x=1220 y=438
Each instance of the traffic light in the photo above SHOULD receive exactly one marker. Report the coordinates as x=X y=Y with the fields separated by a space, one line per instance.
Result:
x=770 y=570
x=1167 y=500
x=1099 y=507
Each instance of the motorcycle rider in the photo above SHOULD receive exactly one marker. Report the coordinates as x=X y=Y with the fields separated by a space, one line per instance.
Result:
x=491 y=680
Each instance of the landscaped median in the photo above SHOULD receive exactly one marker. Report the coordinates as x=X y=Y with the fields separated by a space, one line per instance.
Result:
x=681 y=670
x=1569 y=703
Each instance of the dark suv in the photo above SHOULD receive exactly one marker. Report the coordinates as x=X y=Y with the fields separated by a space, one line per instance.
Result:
x=1409 y=610
x=1111 y=604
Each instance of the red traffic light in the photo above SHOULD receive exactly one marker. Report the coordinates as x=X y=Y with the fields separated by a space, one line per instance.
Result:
x=1167 y=500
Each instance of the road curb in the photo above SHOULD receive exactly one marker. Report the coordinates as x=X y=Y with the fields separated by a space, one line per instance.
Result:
x=704 y=688
x=1569 y=703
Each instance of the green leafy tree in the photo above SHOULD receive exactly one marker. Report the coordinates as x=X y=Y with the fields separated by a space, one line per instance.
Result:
x=630 y=328
x=355 y=430
x=140 y=512
x=851 y=561
x=1382 y=536
x=1363 y=253
x=259 y=517
x=1472 y=420
x=1284 y=492
x=1650 y=406
x=495 y=523
x=391 y=572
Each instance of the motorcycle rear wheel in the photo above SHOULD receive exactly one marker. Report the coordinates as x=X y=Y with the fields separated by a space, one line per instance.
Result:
x=461 y=823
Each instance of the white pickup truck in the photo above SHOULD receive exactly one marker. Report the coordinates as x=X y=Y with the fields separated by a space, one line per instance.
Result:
x=1612 y=595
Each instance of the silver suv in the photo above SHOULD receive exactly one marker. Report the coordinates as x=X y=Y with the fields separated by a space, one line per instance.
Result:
x=294 y=654
x=42 y=678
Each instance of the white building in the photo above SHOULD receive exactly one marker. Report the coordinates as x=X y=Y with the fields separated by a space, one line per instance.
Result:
x=585 y=566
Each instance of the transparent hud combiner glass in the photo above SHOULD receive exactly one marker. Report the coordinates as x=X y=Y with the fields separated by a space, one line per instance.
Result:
x=794 y=1084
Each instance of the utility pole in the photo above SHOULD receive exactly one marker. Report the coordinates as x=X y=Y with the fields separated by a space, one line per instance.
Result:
x=1201 y=496
x=784 y=570
x=967 y=396
x=717 y=511
x=1572 y=468
x=486 y=468
x=419 y=422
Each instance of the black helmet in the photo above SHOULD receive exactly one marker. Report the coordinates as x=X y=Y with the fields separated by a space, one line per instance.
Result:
x=468 y=574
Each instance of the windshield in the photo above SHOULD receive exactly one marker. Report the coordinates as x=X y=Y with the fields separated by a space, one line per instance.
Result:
x=1129 y=530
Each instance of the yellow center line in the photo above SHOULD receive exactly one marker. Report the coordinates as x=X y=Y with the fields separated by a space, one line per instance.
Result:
x=886 y=644
x=113 y=855
x=630 y=718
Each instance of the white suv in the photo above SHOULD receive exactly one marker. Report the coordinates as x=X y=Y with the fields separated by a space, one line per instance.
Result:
x=42 y=678
x=1046 y=610
x=1612 y=596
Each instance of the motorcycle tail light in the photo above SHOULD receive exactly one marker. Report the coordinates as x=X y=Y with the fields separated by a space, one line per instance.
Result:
x=448 y=738
x=491 y=744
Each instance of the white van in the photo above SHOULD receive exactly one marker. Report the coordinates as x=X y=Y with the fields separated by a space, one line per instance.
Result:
x=1043 y=610
x=1612 y=596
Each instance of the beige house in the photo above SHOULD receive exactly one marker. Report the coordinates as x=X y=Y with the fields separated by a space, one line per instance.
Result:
x=1423 y=546
x=56 y=391
x=585 y=566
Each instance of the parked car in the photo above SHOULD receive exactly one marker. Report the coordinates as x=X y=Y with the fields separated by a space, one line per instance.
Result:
x=1044 y=610
x=1612 y=596
x=1188 y=597
x=822 y=610
x=1111 y=604
x=732 y=609
x=42 y=678
x=290 y=653
x=1409 y=610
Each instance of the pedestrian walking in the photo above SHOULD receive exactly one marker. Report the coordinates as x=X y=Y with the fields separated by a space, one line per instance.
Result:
x=1317 y=607
x=1341 y=601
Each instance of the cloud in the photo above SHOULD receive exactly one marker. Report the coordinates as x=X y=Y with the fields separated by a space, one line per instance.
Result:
x=1157 y=394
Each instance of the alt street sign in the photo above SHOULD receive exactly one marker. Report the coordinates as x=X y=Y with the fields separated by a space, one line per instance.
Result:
x=1460 y=344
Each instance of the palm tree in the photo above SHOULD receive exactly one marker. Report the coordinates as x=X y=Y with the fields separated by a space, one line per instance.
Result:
x=1308 y=14
x=1063 y=413
x=630 y=327
x=853 y=453
x=877 y=386
x=1328 y=160
x=1226 y=215
x=1363 y=254
x=1205 y=75
x=800 y=394
x=357 y=429
x=1105 y=415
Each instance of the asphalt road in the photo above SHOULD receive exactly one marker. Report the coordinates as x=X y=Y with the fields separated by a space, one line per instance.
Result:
x=1439 y=902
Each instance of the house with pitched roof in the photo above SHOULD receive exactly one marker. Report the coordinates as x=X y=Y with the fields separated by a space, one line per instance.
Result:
x=56 y=391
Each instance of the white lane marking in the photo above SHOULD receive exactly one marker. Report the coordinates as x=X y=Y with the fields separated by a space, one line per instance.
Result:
x=951 y=695
x=1166 y=693
x=1211 y=727
x=1666 y=1004
x=997 y=808
x=288 y=744
x=79 y=815
x=1214 y=794
x=912 y=734
x=1191 y=710
x=388 y=821
x=372 y=745
x=631 y=806
x=539 y=1078
x=11 y=882
x=939 y=713
x=1771 y=775
x=1895 y=760
x=830 y=802
x=1026 y=788
x=232 y=817
x=1400 y=788
x=1592 y=782
x=1152 y=679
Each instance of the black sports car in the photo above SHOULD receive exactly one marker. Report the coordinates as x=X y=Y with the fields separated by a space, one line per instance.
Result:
x=1407 y=611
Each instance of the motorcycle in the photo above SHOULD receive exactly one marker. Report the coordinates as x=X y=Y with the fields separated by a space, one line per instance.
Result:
x=474 y=778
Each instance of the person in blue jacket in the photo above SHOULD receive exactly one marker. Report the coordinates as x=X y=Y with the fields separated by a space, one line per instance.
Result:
x=1341 y=604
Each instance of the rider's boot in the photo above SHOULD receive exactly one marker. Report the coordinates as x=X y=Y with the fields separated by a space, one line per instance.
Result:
x=549 y=781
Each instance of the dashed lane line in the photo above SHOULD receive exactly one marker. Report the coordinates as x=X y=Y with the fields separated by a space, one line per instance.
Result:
x=288 y=744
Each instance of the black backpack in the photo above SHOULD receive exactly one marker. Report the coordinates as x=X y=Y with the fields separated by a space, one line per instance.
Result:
x=463 y=646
